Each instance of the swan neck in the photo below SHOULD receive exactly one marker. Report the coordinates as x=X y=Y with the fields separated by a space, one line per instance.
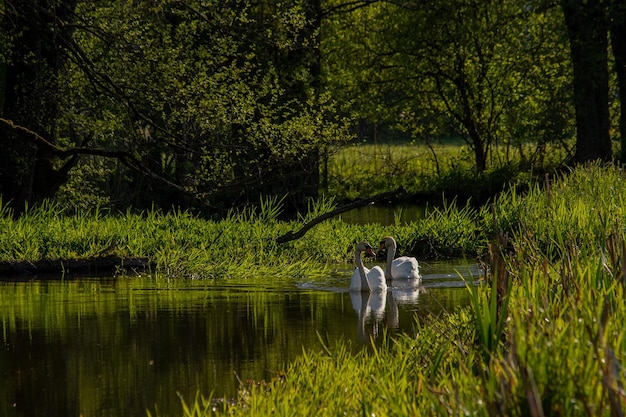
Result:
x=359 y=264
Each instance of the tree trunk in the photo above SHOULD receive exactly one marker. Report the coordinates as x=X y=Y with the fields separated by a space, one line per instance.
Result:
x=618 y=42
x=480 y=152
x=587 y=25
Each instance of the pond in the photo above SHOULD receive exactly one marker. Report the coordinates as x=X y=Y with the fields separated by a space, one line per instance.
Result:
x=105 y=346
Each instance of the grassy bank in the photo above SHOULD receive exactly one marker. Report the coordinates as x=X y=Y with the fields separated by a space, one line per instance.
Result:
x=181 y=245
x=545 y=339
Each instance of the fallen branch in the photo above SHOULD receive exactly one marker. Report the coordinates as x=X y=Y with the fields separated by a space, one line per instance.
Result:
x=104 y=264
x=289 y=236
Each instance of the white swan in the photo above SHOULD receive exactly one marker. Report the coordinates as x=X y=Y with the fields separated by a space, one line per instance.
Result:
x=404 y=267
x=364 y=279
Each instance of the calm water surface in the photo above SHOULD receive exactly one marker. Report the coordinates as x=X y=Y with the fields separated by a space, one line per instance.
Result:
x=385 y=214
x=118 y=346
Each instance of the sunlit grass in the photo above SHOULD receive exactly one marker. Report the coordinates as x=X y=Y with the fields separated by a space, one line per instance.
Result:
x=179 y=244
x=549 y=342
x=556 y=348
x=445 y=166
x=362 y=169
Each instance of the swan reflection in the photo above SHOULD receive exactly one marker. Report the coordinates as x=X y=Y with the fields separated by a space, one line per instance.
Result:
x=375 y=309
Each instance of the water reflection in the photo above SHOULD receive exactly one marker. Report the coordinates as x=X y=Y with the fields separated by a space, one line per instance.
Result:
x=377 y=307
x=110 y=347
x=385 y=214
x=368 y=306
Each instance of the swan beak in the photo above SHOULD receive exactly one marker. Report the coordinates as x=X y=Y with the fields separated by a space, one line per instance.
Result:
x=370 y=252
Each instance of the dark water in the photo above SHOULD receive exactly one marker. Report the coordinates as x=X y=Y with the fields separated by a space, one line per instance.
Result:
x=385 y=214
x=118 y=346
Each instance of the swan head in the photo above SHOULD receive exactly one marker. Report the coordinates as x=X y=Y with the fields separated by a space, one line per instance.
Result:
x=386 y=243
x=365 y=247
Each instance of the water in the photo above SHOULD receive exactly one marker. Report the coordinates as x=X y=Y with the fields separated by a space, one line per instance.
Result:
x=118 y=346
x=385 y=214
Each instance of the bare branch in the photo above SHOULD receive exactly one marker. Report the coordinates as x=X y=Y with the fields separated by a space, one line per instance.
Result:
x=289 y=236
x=125 y=157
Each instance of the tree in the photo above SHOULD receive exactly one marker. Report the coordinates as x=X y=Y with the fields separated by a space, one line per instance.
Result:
x=213 y=102
x=475 y=69
x=31 y=58
x=587 y=25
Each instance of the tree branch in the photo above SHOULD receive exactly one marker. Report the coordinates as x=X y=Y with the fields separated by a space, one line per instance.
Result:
x=125 y=157
x=38 y=140
x=289 y=236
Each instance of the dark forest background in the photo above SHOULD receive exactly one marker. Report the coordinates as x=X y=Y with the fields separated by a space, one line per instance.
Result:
x=209 y=104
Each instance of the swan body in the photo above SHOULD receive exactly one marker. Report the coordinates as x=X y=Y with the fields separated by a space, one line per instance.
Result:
x=404 y=267
x=363 y=279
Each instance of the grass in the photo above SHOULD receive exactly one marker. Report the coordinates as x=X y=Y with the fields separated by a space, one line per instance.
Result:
x=545 y=338
x=184 y=246
x=444 y=167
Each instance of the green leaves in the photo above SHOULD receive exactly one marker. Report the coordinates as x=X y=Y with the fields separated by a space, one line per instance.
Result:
x=485 y=71
x=221 y=99
x=490 y=311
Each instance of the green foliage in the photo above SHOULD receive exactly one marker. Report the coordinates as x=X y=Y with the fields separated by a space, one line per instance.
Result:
x=182 y=245
x=484 y=71
x=454 y=229
x=489 y=315
x=577 y=210
x=561 y=320
x=220 y=99
x=554 y=346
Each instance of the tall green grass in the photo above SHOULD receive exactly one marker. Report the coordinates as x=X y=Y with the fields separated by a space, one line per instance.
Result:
x=244 y=242
x=549 y=342
x=545 y=336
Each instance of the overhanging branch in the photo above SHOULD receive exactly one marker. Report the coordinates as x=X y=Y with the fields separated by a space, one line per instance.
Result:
x=289 y=236
x=125 y=157
x=38 y=140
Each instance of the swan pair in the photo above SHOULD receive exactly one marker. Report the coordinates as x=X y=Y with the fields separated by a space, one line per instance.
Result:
x=369 y=280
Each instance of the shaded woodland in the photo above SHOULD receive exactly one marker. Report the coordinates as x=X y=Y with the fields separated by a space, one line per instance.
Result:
x=208 y=105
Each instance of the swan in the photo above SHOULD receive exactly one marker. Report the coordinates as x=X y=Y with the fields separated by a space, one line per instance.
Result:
x=364 y=279
x=404 y=267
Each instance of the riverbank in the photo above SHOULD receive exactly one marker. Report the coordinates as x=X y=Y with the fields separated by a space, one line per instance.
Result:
x=545 y=338
x=180 y=245
x=93 y=265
